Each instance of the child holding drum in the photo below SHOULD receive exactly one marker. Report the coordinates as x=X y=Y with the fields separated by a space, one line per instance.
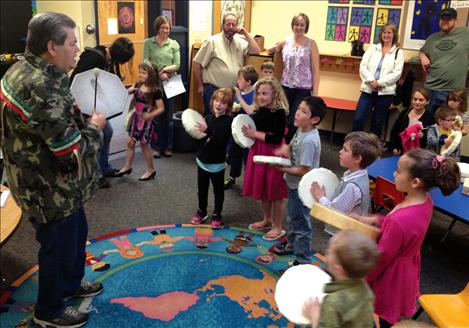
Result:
x=261 y=181
x=304 y=151
x=211 y=157
x=349 y=300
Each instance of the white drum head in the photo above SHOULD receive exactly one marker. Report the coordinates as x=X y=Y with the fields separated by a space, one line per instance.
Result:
x=464 y=168
x=272 y=160
x=190 y=118
x=324 y=177
x=236 y=129
x=296 y=286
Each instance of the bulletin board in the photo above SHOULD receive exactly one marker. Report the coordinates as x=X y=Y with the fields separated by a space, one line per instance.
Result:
x=350 y=20
x=242 y=9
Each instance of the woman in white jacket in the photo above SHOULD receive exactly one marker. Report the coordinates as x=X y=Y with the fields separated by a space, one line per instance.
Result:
x=380 y=69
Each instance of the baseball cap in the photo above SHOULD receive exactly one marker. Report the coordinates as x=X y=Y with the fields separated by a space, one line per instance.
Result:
x=448 y=13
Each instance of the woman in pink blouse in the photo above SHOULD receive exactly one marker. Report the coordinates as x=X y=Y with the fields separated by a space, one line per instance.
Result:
x=300 y=77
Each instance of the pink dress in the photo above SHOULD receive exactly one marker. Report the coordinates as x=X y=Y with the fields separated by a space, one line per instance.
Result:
x=262 y=182
x=396 y=278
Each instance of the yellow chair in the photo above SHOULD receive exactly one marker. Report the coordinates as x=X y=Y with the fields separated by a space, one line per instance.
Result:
x=446 y=310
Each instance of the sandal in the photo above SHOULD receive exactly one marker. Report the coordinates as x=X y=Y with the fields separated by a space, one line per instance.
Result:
x=272 y=237
x=258 y=227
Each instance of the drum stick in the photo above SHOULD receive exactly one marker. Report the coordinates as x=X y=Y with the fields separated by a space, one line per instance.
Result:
x=342 y=221
x=96 y=73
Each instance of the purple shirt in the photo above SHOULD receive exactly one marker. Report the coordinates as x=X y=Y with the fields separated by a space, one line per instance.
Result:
x=297 y=65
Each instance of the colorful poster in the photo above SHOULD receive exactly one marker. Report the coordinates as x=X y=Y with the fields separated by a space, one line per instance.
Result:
x=425 y=18
x=422 y=20
x=126 y=17
x=339 y=1
x=386 y=16
x=361 y=20
x=364 y=2
x=336 y=27
x=390 y=2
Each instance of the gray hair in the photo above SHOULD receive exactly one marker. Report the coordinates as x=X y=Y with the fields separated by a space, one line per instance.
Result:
x=46 y=27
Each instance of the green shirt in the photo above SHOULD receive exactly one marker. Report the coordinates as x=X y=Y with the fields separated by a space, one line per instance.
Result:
x=347 y=304
x=49 y=149
x=166 y=55
x=449 y=54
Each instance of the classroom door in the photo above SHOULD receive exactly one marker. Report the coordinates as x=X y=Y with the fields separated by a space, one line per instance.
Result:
x=123 y=19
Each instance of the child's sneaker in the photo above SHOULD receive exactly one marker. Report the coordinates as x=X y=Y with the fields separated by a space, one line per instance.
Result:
x=216 y=221
x=199 y=217
x=281 y=249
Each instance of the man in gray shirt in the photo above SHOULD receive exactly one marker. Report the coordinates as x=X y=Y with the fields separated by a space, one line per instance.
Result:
x=444 y=58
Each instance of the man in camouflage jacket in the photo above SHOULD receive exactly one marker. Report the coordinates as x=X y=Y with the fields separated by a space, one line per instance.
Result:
x=50 y=161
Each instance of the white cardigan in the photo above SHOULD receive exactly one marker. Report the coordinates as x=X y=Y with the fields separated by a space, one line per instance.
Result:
x=391 y=69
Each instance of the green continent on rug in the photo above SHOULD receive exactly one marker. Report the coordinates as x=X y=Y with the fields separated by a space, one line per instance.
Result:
x=171 y=276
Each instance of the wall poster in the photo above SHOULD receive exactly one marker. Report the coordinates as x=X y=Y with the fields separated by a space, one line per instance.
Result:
x=422 y=21
x=126 y=17
x=361 y=21
x=386 y=16
x=336 y=28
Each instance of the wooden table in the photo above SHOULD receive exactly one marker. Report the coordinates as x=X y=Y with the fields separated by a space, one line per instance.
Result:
x=10 y=216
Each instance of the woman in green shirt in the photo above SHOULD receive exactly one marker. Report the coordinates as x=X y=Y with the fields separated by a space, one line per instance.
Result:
x=165 y=53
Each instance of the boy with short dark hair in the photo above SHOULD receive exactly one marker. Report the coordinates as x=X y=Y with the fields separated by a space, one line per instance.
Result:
x=439 y=134
x=242 y=104
x=304 y=151
x=267 y=69
x=360 y=149
x=349 y=300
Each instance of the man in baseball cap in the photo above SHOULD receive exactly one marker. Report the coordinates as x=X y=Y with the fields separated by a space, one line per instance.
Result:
x=444 y=57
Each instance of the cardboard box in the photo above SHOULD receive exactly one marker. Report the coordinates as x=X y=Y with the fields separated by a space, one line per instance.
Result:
x=260 y=41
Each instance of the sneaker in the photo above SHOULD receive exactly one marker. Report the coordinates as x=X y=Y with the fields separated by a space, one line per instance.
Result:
x=229 y=182
x=87 y=289
x=199 y=217
x=167 y=153
x=293 y=263
x=216 y=221
x=71 y=318
x=103 y=183
x=281 y=249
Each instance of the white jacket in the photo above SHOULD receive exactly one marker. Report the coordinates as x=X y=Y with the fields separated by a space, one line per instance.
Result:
x=391 y=69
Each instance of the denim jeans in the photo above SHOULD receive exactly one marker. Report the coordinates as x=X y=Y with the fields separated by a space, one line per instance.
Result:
x=366 y=103
x=437 y=99
x=300 y=230
x=164 y=127
x=61 y=262
x=103 y=153
x=294 y=97
x=209 y=89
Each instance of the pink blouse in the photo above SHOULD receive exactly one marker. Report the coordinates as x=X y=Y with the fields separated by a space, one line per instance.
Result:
x=297 y=64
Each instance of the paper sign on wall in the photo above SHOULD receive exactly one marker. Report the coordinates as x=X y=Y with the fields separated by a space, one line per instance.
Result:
x=112 y=26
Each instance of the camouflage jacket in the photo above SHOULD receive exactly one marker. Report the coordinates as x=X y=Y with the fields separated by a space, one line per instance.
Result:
x=49 y=149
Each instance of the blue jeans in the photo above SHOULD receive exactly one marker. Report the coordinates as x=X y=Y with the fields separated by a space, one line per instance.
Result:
x=61 y=262
x=164 y=127
x=294 y=97
x=209 y=89
x=437 y=99
x=300 y=230
x=381 y=108
x=103 y=153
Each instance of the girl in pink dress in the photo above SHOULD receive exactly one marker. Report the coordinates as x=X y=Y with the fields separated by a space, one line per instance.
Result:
x=395 y=279
x=148 y=104
x=262 y=182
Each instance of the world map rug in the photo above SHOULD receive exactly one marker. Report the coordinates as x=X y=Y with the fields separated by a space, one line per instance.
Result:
x=171 y=276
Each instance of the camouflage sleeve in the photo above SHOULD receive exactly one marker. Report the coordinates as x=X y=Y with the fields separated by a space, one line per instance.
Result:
x=329 y=317
x=54 y=121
